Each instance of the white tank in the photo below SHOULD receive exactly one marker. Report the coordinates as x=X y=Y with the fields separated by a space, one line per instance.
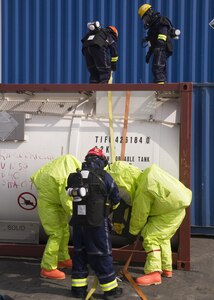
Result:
x=54 y=124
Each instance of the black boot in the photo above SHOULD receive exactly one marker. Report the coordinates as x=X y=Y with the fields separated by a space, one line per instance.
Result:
x=114 y=293
x=79 y=292
x=5 y=297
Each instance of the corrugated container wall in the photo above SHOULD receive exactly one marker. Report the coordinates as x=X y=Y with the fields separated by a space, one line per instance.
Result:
x=202 y=208
x=41 y=43
x=41 y=39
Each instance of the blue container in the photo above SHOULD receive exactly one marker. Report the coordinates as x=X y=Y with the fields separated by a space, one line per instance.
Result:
x=202 y=208
x=41 y=39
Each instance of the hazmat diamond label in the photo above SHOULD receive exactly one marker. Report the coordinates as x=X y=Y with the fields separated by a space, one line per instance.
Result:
x=212 y=23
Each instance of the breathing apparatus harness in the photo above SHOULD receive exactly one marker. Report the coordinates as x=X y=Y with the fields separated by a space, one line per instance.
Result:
x=91 y=202
x=173 y=32
x=77 y=189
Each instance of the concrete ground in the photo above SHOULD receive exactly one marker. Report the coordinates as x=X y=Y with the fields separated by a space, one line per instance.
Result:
x=19 y=278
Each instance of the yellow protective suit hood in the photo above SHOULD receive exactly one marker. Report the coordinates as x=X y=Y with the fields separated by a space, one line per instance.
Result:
x=51 y=179
x=158 y=193
x=125 y=176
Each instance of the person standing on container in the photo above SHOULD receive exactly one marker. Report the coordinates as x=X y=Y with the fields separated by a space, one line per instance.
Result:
x=54 y=208
x=95 y=195
x=100 y=51
x=159 y=39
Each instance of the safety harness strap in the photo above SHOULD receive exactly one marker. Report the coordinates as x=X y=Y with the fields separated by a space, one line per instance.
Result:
x=107 y=201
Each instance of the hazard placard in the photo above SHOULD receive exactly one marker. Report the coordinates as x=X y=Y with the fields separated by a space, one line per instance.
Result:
x=212 y=23
x=27 y=201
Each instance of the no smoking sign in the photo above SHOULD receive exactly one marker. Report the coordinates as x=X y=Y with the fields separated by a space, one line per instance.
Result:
x=27 y=201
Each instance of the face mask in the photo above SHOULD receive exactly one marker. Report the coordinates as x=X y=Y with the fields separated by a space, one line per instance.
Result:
x=147 y=20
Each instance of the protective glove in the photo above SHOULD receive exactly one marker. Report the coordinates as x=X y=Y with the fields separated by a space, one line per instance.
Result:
x=131 y=238
x=144 y=42
x=148 y=55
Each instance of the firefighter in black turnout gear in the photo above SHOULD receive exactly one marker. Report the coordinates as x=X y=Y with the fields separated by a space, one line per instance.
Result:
x=100 y=51
x=95 y=195
x=159 y=39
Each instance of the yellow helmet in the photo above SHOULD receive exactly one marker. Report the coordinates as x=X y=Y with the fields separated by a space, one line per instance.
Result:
x=143 y=9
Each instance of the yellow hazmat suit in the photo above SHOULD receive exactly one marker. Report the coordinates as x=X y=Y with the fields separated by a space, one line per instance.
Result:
x=158 y=210
x=55 y=207
x=158 y=203
x=125 y=176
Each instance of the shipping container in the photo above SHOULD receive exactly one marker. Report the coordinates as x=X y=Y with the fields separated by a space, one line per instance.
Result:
x=202 y=208
x=41 y=43
x=63 y=119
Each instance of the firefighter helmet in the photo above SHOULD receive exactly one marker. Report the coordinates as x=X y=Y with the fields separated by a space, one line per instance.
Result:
x=97 y=152
x=114 y=29
x=143 y=9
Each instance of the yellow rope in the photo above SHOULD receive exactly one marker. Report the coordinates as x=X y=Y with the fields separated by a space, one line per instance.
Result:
x=111 y=122
x=95 y=283
x=92 y=290
x=125 y=126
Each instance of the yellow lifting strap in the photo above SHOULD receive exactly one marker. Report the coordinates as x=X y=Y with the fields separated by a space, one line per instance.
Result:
x=125 y=125
x=111 y=122
x=92 y=290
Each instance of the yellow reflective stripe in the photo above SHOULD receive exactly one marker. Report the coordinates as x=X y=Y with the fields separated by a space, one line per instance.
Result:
x=115 y=206
x=114 y=59
x=162 y=37
x=80 y=282
x=109 y=286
